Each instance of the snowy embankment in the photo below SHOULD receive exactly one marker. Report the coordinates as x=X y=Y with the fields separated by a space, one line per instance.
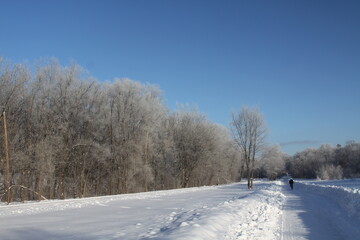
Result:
x=219 y=212
x=30 y=208
x=346 y=193
x=253 y=216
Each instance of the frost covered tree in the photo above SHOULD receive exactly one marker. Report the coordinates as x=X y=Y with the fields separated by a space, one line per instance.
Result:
x=190 y=135
x=273 y=162
x=326 y=162
x=71 y=136
x=249 y=131
x=330 y=171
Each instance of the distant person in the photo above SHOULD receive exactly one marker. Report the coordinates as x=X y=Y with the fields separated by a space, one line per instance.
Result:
x=291 y=182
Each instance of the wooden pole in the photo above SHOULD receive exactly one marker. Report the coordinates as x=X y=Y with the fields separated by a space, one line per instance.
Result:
x=7 y=167
x=0 y=156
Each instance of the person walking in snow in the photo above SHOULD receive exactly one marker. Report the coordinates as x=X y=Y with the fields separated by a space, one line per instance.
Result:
x=291 y=182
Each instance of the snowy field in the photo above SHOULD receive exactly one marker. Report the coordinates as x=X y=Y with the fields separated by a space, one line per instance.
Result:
x=313 y=210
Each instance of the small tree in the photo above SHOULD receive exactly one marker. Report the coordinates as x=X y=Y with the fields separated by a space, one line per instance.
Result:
x=249 y=130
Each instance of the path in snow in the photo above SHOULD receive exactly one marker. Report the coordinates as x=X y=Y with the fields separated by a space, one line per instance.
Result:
x=259 y=216
x=312 y=216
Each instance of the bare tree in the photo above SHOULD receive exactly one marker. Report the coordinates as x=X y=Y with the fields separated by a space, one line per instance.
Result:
x=249 y=130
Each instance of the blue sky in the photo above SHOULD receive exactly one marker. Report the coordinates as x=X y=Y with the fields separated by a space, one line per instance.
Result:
x=297 y=61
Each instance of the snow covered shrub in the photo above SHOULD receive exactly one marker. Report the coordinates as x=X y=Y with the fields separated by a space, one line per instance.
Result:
x=330 y=171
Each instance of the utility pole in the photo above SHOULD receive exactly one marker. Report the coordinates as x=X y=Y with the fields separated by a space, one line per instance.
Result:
x=7 y=166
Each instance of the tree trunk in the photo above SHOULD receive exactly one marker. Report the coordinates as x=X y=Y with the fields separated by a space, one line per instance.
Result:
x=39 y=187
x=7 y=168
x=62 y=186
x=241 y=171
x=249 y=178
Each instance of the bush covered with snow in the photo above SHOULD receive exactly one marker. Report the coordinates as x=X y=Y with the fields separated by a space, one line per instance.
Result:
x=330 y=171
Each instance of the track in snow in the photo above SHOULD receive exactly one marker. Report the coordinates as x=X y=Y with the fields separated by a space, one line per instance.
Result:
x=311 y=216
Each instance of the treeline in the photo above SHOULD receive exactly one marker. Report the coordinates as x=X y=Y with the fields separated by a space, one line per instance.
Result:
x=325 y=162
x=72 y=136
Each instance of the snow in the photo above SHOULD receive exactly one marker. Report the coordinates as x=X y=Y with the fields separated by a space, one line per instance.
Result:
x=321 y=210
x=313 y=210
x=345 y=193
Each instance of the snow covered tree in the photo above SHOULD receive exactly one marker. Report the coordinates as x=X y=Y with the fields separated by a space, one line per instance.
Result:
x=190 y=134
x=326 y=162
x=249 y=131
x=71 y=136
x=273 y=162
x=330 y=171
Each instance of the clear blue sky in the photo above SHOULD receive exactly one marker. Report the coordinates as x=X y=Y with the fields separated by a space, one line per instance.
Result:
x=298 y=61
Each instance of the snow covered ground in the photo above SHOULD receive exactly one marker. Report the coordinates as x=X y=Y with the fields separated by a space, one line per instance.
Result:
x=313 y=210
x=322 y=210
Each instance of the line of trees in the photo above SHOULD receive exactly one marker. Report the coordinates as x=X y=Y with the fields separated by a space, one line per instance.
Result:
x=71 y=136
x=326 y=162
